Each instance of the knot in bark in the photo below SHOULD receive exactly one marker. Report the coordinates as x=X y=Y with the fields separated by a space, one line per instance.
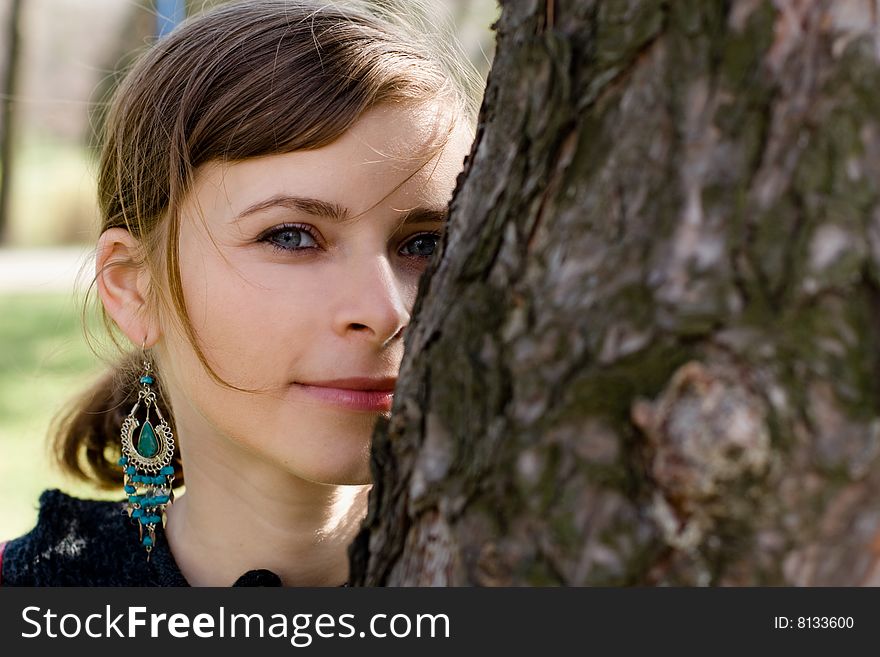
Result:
x=707 y=435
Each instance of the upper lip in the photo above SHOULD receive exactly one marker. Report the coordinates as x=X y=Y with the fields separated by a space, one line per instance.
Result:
x=383 y=384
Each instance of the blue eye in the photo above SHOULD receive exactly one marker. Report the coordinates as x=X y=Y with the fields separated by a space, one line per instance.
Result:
x=425 y=244
x=289 y=238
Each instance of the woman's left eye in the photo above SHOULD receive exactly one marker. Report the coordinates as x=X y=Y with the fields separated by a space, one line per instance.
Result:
x=424 y=244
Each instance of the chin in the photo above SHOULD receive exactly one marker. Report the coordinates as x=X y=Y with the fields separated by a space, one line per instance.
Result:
x=322 y=446
x=360 y=481
x=339 y=479
x=339 y=472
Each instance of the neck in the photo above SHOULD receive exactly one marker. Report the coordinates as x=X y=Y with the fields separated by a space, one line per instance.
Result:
x=235 y=518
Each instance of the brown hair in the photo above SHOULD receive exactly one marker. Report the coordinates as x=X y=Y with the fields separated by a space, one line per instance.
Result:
x=247 y=79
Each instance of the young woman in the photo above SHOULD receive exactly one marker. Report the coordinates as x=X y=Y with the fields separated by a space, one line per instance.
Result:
x=273 y=181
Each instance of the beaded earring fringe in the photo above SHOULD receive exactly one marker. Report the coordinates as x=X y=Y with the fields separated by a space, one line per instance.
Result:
x=147 y=471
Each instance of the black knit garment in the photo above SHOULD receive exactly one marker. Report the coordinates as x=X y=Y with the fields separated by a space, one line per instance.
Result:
x=94 y=543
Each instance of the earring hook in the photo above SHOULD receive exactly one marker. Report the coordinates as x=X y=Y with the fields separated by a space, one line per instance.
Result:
x=146 y=360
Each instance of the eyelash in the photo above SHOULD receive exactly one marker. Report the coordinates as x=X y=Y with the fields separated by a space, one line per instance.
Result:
x=269 y=235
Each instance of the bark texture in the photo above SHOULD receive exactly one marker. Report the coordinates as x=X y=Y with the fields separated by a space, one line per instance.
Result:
x=648 y=350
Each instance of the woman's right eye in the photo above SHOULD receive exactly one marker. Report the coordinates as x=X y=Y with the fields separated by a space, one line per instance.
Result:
x=290 y=237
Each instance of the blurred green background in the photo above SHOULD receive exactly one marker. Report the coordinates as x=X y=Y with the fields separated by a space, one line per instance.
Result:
x=67 y=56
x=45 y=359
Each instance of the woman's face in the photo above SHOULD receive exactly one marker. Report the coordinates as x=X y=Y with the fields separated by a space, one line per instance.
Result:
x=280 y=293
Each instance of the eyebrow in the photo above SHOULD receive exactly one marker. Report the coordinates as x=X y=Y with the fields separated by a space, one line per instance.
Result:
x=334 y=212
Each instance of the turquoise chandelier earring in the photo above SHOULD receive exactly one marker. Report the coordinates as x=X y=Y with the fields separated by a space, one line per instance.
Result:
x=146 y=460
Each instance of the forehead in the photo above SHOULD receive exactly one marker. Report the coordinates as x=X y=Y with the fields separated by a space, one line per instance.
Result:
x=395 y=153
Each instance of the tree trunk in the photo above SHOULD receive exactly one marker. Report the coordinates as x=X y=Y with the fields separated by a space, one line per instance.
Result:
x=648 y=351
x=12 y=48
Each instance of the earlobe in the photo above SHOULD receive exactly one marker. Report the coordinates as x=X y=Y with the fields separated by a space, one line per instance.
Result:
x=122 y=285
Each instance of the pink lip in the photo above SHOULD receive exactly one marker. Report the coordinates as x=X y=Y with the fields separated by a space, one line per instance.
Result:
x=357 y=400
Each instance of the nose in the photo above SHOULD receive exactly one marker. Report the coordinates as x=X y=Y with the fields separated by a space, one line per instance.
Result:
x=373 y=302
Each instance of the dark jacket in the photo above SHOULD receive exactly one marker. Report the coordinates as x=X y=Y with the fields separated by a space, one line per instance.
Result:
x=94 y=543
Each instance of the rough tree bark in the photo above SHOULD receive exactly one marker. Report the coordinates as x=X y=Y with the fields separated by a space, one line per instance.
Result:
x=648 y=351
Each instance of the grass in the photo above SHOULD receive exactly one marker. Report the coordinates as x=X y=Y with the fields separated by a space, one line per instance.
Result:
x=43 y=361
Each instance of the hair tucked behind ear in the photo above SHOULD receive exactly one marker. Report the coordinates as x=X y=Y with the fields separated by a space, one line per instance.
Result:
x=248 y=79
x=86 y=431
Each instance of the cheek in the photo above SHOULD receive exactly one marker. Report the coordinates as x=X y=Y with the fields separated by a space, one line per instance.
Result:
x=251 y=332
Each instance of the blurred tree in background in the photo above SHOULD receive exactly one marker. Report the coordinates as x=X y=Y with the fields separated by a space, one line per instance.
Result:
x=11 y=51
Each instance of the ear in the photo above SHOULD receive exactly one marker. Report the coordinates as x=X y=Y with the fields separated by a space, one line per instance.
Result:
x=123 y=286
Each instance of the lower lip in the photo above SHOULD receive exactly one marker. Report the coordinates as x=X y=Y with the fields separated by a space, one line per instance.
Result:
x=356 y=400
